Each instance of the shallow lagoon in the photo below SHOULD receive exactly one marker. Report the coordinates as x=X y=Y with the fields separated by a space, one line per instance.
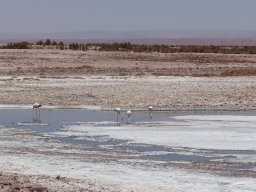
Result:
x=217 y=139
x=216 y=133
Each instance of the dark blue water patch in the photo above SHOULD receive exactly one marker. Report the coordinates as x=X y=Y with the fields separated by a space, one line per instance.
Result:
x=201 y=154
x=178 y=157
x=232 y=152
x=217 y=152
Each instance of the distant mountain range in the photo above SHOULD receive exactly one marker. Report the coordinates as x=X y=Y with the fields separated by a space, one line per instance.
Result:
x=175 y=37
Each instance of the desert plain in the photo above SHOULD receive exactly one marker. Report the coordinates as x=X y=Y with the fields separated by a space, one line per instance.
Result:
x=178 y=81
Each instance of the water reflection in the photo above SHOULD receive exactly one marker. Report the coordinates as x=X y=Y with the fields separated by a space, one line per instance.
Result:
x=36 y=117
x=36 y=120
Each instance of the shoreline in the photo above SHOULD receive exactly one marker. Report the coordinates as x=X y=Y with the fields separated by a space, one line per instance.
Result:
x=100 y=108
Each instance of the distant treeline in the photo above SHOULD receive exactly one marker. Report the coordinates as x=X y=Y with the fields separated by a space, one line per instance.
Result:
x=132 y=47
x=177 y=49
x=60 y=45
x=20 y=45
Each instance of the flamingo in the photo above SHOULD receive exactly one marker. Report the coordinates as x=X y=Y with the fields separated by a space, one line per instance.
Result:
x=129 y=113
x=118 y=113
x=150 y=108
x=36 y=106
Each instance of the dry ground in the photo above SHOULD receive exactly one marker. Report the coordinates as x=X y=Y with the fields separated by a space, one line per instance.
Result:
x=16 y=183
x=126 y=79
x=65 y=63
x=172 y=93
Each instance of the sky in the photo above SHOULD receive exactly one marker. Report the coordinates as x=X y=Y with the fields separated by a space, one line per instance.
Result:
x=37 y=16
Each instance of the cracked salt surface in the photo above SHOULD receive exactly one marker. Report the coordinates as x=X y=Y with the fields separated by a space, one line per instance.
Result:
x=134 y=156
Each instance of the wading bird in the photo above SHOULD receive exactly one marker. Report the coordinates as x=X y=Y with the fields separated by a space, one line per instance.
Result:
x=36 y=106
x=150 y=109
x=118 y=113
x=129 y=113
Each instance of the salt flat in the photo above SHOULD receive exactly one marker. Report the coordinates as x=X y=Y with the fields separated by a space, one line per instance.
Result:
x=203 y=132
x=169 y=153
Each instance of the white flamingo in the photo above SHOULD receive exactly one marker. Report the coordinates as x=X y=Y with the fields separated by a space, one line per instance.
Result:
x=118 y=113
x=150 y=108
x=129 y=113
x=36 y=106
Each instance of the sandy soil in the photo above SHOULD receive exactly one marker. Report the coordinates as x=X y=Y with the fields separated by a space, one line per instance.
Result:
x=14 y=183
x=125 y=79
x=61 y=63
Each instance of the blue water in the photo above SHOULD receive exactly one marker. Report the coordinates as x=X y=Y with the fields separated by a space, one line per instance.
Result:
x=54 y=119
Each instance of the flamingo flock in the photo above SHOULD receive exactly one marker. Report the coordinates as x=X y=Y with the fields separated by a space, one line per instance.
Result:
x=129 y=113
x=36 y=107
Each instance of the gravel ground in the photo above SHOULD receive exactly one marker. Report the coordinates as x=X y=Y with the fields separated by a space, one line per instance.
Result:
x=15 y=183
x=126 y=79
x=55 y=63
x=170 y=93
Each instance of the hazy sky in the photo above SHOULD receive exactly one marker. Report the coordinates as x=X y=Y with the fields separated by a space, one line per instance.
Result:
x=76 y=15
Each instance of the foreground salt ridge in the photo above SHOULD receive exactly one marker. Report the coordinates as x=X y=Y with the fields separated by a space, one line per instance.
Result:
x=129 y=178
x=116 y=175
